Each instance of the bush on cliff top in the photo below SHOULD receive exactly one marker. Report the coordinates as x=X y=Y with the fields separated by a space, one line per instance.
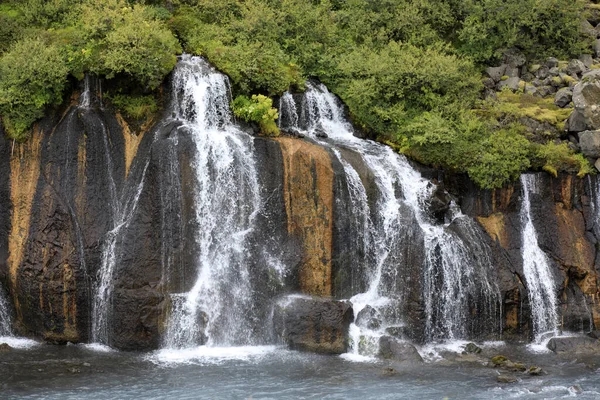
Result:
x=33 y=75
x=408 y=70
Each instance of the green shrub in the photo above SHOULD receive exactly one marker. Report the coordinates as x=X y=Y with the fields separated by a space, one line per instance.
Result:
x=136 y=107
x=540 y=28
x=140 y=47
x=33 y=75
x=506 y=156
x=258 y=109
x=385 y=89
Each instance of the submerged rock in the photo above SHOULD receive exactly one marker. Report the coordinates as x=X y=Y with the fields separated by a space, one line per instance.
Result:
x=472 y=348
x=506 y=379
x=392 y=349
x=368 y=318
x=316 y=325
x=535 y=371
x=5 y=347
x=574 y=345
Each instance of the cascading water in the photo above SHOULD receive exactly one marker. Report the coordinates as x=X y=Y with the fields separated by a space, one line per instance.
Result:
x=122 y=207
x=540 y=284
x=5 y=320
x=456 y=268
x=218 y=309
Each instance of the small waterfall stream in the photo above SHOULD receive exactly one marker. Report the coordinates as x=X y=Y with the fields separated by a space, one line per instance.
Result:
x=456 y=268
x=217 y=310
x=540 y=284
x=5 y=317
x=123 y=204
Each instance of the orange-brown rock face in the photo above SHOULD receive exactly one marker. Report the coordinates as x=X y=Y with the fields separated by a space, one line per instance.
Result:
x=308 y=195
x=58 y=217
x=563 y=222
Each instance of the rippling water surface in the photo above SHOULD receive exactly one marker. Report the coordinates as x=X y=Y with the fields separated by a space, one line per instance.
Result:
x=76 y=372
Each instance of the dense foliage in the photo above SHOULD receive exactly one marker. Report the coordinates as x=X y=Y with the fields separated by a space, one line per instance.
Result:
x=257 y=109
x=409 y=70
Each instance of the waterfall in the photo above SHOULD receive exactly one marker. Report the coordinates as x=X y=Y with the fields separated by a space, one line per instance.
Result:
x=456 y=267
x=5 y=317
x=593 y=186
x=122 y=206
x=540 y=284
x=218 y=309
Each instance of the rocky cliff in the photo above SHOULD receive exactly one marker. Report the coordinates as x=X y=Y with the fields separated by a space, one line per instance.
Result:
x=84 y=178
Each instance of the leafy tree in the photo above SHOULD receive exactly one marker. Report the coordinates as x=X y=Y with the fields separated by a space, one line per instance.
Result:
x=33 y=74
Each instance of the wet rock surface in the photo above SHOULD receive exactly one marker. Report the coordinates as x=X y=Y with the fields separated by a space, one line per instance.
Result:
x=393 y=349
x=315 y=324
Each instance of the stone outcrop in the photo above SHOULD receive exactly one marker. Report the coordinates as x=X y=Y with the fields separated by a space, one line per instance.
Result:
x=562 y=215
x=586 y=97
x=56 y=211
x=315 y=324
x=308 y=194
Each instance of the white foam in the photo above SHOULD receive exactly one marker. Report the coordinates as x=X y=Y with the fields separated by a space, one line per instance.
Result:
x=18 y=342
x=98 y=347
x=354 y=357
x=542 y=346
x=211 y=355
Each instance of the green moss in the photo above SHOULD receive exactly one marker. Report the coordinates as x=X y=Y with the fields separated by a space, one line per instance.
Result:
x=557 y=81
x=525 y=105
x=499 y=360
x=534 y=68
x=504 y=77
x=556 y=157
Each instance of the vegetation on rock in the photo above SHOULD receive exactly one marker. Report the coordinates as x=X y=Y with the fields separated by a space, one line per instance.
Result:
x=409 y=71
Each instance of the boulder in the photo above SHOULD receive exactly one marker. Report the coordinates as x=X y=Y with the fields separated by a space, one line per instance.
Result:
x=594 y=334
x=546 y=90
x=576 y=122
x=543 y=72
x=496 y=73
x=588 y=29
x=574 y=345
x=576 y=67
x=535 y=371
x=506 y=379
x=514 y=58
x=368 y=318
x=488 y=83
x=552 y=62
x=589 y=142
x=512 y=72
x=531 y=90
x=587 y=60
x=320 y=133
x=472 y=348
x=510 y=83
x=586 y=97
x=393 y=349
x=315 y=324
x=563 y=97
x=5 y=347
x=438 y=203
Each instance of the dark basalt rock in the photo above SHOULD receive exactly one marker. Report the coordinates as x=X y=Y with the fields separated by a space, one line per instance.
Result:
x=574 y=345
x=316 y=325
x=368 y=318
x=438 y=203
x=392 y=349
